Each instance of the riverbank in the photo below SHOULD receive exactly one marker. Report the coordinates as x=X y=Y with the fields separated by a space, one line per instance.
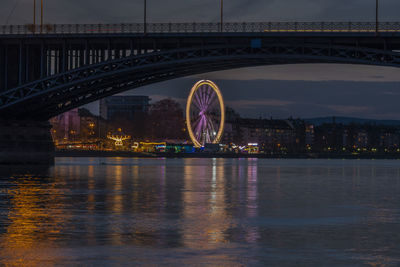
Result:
x=79 y=153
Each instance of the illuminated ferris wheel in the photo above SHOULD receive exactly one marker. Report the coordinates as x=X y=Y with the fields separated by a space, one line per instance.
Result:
x=205 y=113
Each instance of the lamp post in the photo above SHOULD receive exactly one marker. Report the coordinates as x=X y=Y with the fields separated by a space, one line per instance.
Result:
x=145 y=17
x=34 y=16
x=377 y=17
x=222 y=15
x=41 y=16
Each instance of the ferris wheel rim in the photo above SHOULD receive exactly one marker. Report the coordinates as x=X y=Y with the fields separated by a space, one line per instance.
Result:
x=189 y=125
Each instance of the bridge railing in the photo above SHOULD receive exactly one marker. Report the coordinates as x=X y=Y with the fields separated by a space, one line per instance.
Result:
x=231 y=27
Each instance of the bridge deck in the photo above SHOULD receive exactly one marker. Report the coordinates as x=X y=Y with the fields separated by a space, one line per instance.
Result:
x=230 y=27
x=6 y=37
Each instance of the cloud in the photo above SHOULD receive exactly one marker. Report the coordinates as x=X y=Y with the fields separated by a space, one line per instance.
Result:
x=96 y=11
x=311 y=72
x=392 y=93
x=282 y=99
x=348 y=110
x=256 y=104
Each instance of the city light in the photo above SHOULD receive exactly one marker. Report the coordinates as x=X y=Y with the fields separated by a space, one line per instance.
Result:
x=118 y=137
x=257 y=136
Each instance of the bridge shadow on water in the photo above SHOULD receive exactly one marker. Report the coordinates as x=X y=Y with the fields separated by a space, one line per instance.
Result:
x=41 y=172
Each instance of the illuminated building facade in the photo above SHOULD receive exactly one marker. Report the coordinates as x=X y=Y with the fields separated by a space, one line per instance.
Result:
x=309 y=136
x=126 y=106
x=67 y=125
x=332 y=137
x=270 y=135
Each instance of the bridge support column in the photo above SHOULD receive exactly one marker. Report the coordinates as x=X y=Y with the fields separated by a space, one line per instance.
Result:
x=25 y=142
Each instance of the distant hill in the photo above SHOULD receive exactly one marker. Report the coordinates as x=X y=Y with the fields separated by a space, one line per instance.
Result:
x=347 y=120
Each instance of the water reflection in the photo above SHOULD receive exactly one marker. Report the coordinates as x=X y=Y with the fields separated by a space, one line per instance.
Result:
x=200 y=211
x=204 y=197
x=252 y=204
x=35 y=219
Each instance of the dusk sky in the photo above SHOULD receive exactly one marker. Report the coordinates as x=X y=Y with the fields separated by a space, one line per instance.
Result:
x=277 y=91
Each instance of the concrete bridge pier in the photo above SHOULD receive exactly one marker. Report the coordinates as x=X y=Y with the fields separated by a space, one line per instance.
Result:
x=26 y=142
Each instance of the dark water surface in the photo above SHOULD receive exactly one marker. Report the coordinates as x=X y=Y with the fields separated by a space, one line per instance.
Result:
x=230 y=212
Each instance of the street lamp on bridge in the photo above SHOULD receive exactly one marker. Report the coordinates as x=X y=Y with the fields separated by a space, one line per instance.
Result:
x=145 y=17
x=34 y=16
x=41 y=16
x=222 y=15
x=376 y=17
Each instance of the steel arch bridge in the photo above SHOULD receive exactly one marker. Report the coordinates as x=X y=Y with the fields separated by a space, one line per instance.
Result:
x=58 y=93
x=47 y=74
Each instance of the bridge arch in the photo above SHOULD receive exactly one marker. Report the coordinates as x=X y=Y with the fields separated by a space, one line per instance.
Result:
x=50 y=96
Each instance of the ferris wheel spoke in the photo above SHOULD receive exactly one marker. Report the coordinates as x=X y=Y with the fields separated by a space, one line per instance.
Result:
x=213 y=99
x=197 y=119
x=207 y=130
x=211 y=125
x=197 y=101
x=207 y=100
x=203 y=130
x=207 y=95
x=196 y=128
x=199 y=127
x=196 y=123
x=216 y=125
x=198 y=97
x=196 y=107
x=202 y=96
x=210 y=134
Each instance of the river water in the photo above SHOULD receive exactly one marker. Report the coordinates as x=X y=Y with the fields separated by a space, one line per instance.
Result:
x=216 y=212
